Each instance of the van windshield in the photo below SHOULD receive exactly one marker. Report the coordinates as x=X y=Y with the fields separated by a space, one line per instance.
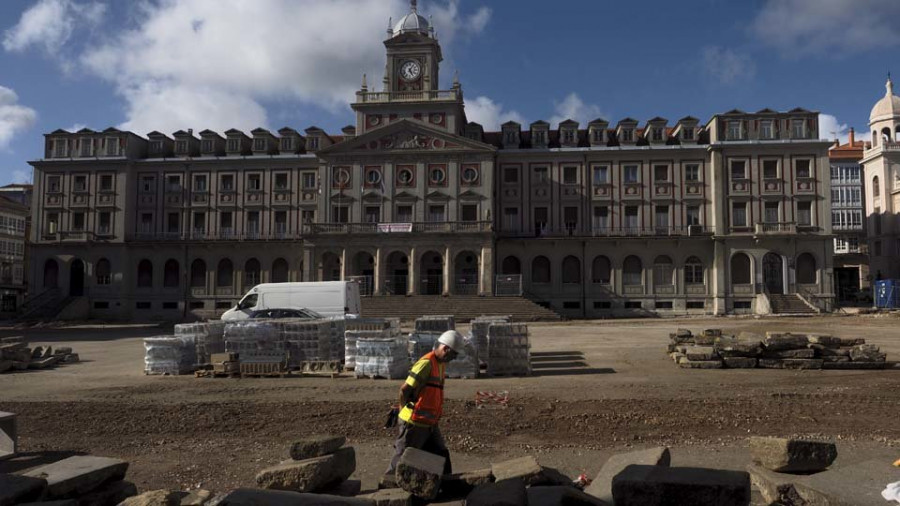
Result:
x=249 y=301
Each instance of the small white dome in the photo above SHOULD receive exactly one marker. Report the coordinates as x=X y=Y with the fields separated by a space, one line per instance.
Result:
x=888 y=107
x=412 y=22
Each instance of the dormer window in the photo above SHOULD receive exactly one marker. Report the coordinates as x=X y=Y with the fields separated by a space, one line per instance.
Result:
x=687 y=133
x=539 y=137
x=627 y=135
x=734 y=130
x=207 y=146
x=598 y=135
x=181 y=147
x=657 y=134
x=569 y=136
x=260 y=144
x=287 y=143
x=798 y=129
x=766 y=130
x=112 y=146
x=87 y=147
x=60 y=148
x=510 y=137
x=156 y=147
x=234 y=145
x=313 y=143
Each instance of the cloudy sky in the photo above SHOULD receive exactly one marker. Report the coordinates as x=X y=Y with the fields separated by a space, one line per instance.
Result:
x=166 y=65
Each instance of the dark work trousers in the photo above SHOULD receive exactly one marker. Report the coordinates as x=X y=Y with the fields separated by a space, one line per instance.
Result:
x=427 y=439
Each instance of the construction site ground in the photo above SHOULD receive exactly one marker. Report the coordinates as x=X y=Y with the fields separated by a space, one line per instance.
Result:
x=599 y=387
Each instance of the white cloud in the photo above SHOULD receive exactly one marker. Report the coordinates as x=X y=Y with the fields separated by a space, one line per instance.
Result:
x=727 y=66
x=49 y=24
x=573 y=107
x=490 y=114
x=14 y=118
x=801 y=27
x=830 y=128
x=76 y=127
x=20 y=176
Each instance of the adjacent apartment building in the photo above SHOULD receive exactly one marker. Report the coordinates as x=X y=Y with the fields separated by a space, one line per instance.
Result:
x=848 y=220
x=12 y=256
x=594 y=220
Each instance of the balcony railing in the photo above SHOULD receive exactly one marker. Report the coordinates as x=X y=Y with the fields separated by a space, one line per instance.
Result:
x=680 y=231
x=198 y=235
x=408 y=96
x=397 y=228
x=784 y=228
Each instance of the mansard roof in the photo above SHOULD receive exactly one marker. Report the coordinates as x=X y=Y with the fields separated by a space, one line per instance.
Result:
x=377 y=140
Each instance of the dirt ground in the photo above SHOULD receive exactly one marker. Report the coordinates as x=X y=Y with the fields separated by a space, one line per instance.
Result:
x=599 y=387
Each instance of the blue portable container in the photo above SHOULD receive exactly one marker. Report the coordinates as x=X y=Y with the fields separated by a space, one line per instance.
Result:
x=887 y=293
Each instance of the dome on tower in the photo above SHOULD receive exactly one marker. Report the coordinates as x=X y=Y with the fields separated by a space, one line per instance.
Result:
x=888 y=107
x=412 y=22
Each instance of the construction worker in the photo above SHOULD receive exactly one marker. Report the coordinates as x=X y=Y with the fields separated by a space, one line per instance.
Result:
x=422 y=401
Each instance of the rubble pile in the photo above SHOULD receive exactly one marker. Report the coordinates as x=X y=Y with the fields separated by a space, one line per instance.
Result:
x=17 y=355
x=508 y=350
x=776 y=350
x=79 y=480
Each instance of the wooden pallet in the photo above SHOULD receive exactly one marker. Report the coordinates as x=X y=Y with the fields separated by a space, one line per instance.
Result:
x=215 y=374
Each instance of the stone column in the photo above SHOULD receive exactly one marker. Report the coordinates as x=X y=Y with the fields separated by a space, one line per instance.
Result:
x=413 y=278
x=343 y=264
x=717 y=279
x=308 y=264
x=379 y=273
x=448 y=271
x=486 y=271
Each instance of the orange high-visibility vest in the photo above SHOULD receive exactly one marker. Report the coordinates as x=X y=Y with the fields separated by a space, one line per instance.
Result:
x=430 y=406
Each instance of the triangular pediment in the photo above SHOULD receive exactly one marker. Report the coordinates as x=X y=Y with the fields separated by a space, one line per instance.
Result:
x=339 y=197
x=470 y=195
x=405 y=195
x=436 y=196
x=406 y=136
x=372 y=196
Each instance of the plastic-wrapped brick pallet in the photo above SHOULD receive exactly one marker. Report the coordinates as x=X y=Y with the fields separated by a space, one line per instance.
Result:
x=479 y=332
x=377 y=324
x=509 y=350
x=209 y=337
x=435 y=323
x=170 y=354
x=382 y=357
x=352 y=336
x=421 y=343
x=465 y=365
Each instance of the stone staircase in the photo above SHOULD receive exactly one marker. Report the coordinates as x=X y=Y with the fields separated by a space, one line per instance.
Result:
x=790 y=304
x=463 y=307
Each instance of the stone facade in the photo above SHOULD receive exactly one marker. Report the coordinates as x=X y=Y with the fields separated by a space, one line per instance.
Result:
x=593 y=220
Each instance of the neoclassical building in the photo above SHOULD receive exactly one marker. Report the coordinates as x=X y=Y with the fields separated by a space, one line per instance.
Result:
x=593 y=220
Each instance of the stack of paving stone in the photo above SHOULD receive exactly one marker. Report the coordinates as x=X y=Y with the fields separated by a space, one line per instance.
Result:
x=16 y=355
x=389 y=329
x=172 y=355
x=478 y=331
x=421 y=343
x=508 y=350
x=80 y=480
x=793 y=472
x=208 y=336
x=435 y=323
x=382 y=357
x=777 y=350
x=466 y=364
x=316 y=465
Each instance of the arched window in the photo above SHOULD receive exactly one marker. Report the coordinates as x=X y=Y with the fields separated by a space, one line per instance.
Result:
x=280 y=271
x=806 y=269
x=171 y=274
x=663 y=271
x=198 y=274
x=693 y=271
x=251 y=273
x=540 y=270
x=740 y=269
x=571 y=271
x=225 y=274
x=886 y=134
x=601 y=270
x=145 y=274
x=103 y=272
x=511 y=265
x=632 y=271
x=876 y=187
x=874 y=138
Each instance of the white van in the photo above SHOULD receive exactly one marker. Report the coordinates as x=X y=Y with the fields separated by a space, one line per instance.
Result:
x=328 y=298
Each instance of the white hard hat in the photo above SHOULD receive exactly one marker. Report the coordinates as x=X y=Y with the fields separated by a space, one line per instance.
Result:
x=453 y=340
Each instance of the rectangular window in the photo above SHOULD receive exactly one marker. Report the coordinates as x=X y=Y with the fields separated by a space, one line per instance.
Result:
x=200 y=223
x=52 y=223
x=287 y=144
x=87 y=147
x=436 y=214
x=803 y=169
x=312 y=143
x=510 y=175
x=692 y=173
x=657 y=134
x=601 y=219
x=569 y=136
x=80 y=183
x=738 y=170
x=602 y=304
x=692 y=215
x=148 y=184
x=227 y=183
x=739 y=214
x=200 y=183
x=630 y=174
x=373 y=214
x=541 y=175
x=511 y=218
x=260 y=144
x=798 y=129
x=771 y=215
x=281 y=222
x=627 y=135
x=570 y=217
x=661 y=173
x=695 y=304
x=207 y=146
x=804 y=213
x=146 y=223
x=106 y=182
x=234 y=145
x=601 y=175
x=404 y=214
x=281 y=181
x=156 y=147
x=173 y=183
x=770 y=169
x=662 y=219
x=254 y=182
x=766 y=130
x=663 y=304
x=104 y=226
x=570 y=175
x=253 y=227
x=173 y=223
x=225 y=221
x=77 y=222
x=469 y=212
x=181 y=147
x=309 y=180
x=340 y=214
x=631 y=223
x=633 y=304
x=734 y=130
x=687 y=133
x=308 y=216
x=541 y=218
x=60 y=148
x=53 y=184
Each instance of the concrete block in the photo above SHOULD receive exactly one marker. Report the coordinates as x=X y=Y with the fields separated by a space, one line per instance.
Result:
x=751 y=337
x=834 y=352
x=560 y=495
x=420 y=473
x=739 y=362
x=257 y=497
x=462 y=484
x=784 y=455
x=701 y=353
x=529 y=471
x=318 y=446
x=824 y=340
x=601 y=487
x=705 y=340
x=775 y=488
x=155 y=498
x=16 y=489
x=804 y=353
x=777 y=341
x=501 y=493
x=867 y=353
x=9 y=435
x=833 y=358
x=851 y=341
x=657 y=486
x=682 y=333
x=197 y=497
x=853 y=365
x=75 y=476
x=110 y=494
x=390 y=497
x=738 y=349
x=700 y=364
x=856 y=485
x=713 y=332
x=311 y=475
x=790 y=363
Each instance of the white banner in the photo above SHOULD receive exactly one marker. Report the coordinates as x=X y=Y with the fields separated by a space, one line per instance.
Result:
x=388 y=228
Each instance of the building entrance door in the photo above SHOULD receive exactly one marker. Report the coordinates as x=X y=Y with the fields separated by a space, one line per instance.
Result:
x=773 y=273
x=847 y=282
x=76 y=279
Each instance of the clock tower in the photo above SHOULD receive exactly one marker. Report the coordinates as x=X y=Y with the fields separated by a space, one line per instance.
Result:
x=411 y=84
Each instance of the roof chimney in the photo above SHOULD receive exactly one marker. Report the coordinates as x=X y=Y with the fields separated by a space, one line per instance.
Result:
x=852 y=137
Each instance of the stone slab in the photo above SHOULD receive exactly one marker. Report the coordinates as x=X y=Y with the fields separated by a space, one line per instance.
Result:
x=257 y=497
x=751 y=336
x=44 y=363
x=529 y=471
x=853 y=365
x=15 y=489
x=9 y=435
x=705 y=340
x=712 y=332
x=462 y=484
x=390 y=497
x=155 y=498
x=738 y=349
x=834 y=358
x=700 y=364
x=317 y=446
x=740 y=362
x=601 y=487
x=5 y=365
x=559 y=495
x=700 y=353
x=79 y=475
x=197 y=497
x=501 y=493
x=110 y=494
x=824 y=340
x=420 y=473
x=776 y=341
x=804 y=353
x=867 y=353
x=775 y=488
x=834 y=352
x=790 y=363
x=311 y=475
x=855 y=485
x=784 y=455
x=387 y=481
x=847 y=342
x=657 y=486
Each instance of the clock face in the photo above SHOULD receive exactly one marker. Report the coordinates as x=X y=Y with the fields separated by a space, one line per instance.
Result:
x=410 y=70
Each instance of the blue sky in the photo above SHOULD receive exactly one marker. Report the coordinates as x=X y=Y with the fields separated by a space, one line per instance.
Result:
x=172 y=64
